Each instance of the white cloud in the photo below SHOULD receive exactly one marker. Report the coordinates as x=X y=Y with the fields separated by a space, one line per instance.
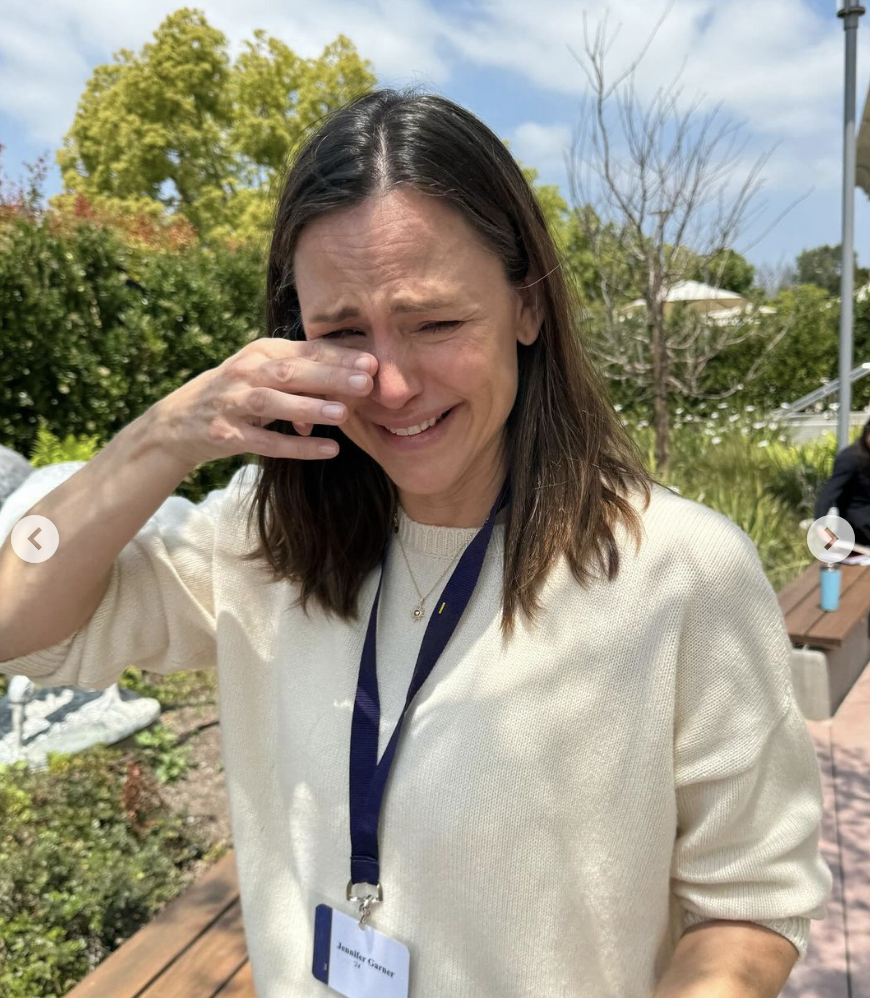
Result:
x=541 y=146
x=778 y=65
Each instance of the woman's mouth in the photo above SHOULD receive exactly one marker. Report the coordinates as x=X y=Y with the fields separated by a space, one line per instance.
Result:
x=413 y=440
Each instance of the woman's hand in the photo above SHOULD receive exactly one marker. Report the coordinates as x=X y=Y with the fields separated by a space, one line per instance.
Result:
x=224 y=411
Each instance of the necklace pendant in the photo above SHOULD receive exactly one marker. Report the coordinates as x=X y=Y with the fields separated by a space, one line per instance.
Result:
x=418 y=611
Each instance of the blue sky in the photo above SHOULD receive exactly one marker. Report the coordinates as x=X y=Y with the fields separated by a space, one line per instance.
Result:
x=775 y=65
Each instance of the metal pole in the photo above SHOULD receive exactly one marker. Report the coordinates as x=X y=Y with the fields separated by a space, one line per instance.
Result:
x=850 y=14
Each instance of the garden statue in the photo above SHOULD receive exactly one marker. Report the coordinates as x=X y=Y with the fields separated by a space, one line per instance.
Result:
x=33 y=720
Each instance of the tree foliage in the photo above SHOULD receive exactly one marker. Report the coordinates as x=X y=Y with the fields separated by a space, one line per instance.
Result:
x=93 y=331
x=822 y=266
x=181 y=125
x=803 y=359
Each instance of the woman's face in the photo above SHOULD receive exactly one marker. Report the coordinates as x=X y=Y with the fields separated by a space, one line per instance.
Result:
x=387 y=264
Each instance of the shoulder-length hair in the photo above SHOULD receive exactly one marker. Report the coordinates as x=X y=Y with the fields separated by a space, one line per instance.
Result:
x=323 y=524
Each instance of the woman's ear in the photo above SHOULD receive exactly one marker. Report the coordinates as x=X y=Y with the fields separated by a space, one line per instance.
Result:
x=530 y=314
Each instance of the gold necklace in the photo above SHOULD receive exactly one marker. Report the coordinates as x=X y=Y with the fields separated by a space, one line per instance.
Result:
x=418 y=611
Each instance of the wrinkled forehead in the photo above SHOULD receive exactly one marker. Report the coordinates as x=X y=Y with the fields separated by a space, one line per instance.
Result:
x=393 y=246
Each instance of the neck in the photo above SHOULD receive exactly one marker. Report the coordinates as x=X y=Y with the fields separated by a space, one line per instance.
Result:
x=452 y=511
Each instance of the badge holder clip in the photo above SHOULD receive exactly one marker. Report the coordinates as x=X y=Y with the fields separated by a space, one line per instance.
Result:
x=366 y=900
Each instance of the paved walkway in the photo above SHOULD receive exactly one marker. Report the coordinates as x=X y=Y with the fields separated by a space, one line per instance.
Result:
x=837 y=964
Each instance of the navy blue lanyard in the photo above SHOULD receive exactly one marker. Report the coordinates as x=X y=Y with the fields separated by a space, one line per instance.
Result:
x=368 y=777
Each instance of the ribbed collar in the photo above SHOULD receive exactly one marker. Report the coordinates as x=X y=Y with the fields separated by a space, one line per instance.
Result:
x=445 y=542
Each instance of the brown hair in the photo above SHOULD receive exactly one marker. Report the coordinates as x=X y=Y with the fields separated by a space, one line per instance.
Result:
x=323 y=524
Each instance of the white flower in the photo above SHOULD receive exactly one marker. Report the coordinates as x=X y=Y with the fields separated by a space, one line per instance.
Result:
x=750 y=408
x=679 y=411
x=716 y=440
x=763 y=443
x=732 y=419
x=618 y=408
x=723 y=405
x=757 y=426
x=643 y=422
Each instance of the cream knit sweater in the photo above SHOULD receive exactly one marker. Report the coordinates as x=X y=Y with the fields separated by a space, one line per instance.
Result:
x=561 y=807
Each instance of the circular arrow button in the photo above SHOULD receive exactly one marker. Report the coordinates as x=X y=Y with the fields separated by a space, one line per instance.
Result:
x=35 y=538
x=830 y=538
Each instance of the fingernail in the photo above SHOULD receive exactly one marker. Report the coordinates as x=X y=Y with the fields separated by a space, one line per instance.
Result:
x=329 y=449
x=333 y=411
x=358 y=380
x=363 y=363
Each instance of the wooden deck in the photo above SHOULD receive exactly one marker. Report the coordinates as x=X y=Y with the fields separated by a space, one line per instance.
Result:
x=195 y=947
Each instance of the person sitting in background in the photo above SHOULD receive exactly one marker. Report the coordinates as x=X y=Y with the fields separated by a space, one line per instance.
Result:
x=848 y=488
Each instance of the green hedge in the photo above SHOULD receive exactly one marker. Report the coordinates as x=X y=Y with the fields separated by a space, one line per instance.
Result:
x=93 y=332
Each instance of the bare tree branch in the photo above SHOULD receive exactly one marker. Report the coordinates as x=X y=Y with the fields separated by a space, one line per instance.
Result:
x=661 y=190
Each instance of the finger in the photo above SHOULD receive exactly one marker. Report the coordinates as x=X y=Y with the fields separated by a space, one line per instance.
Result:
x=320 y=349
x=303 y=375
x=270 y=443
x=264 y=405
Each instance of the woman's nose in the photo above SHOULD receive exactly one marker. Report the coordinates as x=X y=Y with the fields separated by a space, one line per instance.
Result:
x=394 y=381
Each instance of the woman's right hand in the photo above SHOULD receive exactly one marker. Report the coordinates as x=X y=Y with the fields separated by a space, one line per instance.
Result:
x=224 y=411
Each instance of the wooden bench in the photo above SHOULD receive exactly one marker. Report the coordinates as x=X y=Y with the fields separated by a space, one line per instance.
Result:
x=832 y=648
x=194 y=948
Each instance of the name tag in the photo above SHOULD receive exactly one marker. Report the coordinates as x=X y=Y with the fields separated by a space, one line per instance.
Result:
x=358 y=963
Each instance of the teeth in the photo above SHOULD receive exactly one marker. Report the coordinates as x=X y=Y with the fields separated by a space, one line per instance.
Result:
x=413 y=430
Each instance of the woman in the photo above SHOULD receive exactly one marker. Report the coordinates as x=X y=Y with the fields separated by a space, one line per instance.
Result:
x=602 y=752
x=848 y=488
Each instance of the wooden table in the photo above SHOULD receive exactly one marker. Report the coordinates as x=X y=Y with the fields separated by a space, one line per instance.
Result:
x=840 y=639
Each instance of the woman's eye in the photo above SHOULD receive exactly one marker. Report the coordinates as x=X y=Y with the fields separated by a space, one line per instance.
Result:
x=431 y=326
x=435 y=326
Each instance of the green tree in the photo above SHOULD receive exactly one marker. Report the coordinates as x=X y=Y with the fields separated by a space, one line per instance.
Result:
x=726 y=269
x=801 y=361
x=822 y=266
x=568 y=235
x=181 y=125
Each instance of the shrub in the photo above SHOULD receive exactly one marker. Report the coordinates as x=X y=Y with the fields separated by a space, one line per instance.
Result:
x=88 y=854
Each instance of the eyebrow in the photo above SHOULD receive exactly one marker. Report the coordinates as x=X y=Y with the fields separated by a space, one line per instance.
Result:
x=399 y=305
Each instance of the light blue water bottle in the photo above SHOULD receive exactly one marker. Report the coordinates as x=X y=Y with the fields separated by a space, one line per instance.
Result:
x=830 y=586
x=830 y=579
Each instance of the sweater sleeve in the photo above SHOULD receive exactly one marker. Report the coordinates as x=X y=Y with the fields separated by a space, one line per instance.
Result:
x=158 y=610
x=747 y=782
